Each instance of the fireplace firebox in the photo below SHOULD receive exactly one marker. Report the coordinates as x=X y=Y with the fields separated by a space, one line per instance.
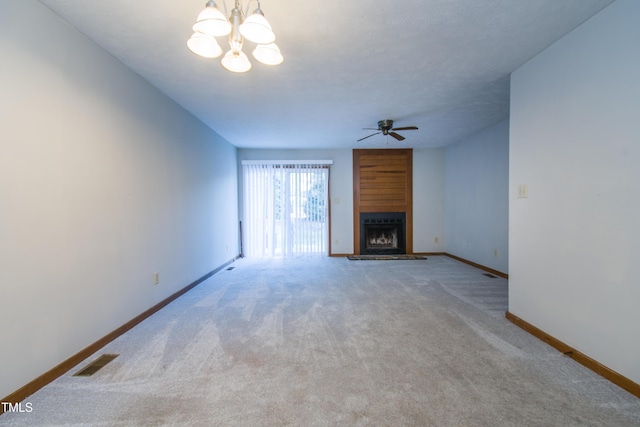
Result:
x=382 y=233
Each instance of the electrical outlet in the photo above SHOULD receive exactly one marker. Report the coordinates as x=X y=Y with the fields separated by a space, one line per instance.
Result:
x=156 y=278
x=495 y=253
x=435 y=240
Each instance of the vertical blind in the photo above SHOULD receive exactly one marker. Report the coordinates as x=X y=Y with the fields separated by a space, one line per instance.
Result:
x=285 y=208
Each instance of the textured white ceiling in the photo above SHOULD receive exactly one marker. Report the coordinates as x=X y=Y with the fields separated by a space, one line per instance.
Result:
x=441 y=65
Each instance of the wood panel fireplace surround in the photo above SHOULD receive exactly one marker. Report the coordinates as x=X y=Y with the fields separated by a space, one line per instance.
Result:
x=382 y=201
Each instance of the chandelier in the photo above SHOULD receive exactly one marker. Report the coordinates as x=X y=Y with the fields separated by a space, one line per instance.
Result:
x=212 y=23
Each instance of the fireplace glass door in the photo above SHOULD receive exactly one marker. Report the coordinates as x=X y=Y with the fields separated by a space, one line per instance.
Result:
x=382 y=233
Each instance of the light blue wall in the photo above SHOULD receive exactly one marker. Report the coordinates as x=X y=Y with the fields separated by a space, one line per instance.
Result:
x=103 y=181
x=477 y=198
x=575 y=141
x=428 y=199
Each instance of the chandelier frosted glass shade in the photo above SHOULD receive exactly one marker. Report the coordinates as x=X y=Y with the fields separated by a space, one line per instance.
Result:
x=204 y=45
x=256 y=28
x=211 y=21
x=268 y=54
x=237 y=62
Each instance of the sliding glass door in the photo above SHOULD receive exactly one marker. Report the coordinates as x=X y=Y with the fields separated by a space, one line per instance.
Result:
x=285 y=209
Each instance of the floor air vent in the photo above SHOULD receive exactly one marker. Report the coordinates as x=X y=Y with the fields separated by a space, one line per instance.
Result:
x=490 y=275
x=95 y=366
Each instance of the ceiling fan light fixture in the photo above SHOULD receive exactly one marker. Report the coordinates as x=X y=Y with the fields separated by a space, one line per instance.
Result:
x=257 y=29
x=204 y=45
x=212 y=22
x=268 y=54
x=236 y=62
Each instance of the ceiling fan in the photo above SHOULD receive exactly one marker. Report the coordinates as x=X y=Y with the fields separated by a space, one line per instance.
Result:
x=385 y=127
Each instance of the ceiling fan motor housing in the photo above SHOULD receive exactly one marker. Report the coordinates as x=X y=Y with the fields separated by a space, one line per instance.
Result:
x=385 y=126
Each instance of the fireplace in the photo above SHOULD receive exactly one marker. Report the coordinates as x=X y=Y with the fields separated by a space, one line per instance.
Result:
x=382 y=233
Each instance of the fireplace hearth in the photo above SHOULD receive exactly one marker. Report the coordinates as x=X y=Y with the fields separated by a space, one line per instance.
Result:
x=382 y=233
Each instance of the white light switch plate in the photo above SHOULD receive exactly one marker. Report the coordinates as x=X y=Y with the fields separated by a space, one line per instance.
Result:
x=523 y=191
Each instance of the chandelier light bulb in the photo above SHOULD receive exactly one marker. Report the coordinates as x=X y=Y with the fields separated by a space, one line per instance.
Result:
x=204 y=45
x=268 y=54
x=212 y=22
x=237 y=62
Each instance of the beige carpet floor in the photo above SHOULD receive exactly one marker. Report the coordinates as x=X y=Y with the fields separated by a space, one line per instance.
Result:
x=334 y=342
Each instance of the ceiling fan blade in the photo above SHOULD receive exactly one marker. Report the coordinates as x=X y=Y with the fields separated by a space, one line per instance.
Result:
x=370 y=129
x=369 y=136
x=406 y=128
x=396 y=136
